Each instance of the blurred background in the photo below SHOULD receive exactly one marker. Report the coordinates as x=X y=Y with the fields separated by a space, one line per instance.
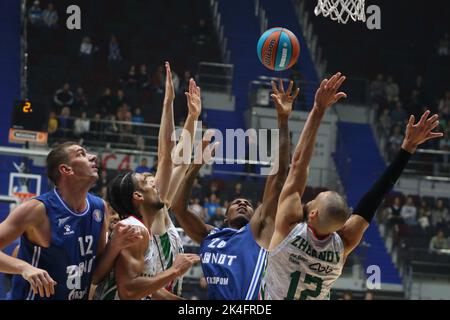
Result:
x=103 y=86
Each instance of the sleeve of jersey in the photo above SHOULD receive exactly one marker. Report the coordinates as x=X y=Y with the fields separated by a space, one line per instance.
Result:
x=370 y=202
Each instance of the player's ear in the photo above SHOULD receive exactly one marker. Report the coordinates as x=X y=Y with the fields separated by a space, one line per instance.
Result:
x=65 y=169
x=138 y=196
x=313 y=214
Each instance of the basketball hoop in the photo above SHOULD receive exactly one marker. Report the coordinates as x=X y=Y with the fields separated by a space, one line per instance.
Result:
x=342 y=10
x=23 y=196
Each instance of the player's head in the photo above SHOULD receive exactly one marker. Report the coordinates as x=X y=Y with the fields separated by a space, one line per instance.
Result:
x=71 y=162
x=134 y=193
x=327 y=213
x=238 y=213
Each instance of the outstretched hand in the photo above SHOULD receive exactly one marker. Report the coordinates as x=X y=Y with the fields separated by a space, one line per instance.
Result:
x=170 y=90
x=283 y=100
x=417 y=134
x=194 y=100
x=326 y=95
x=206 y=150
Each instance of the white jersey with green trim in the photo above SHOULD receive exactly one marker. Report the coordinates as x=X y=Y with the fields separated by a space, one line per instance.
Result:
x=164 y=250
x=107 y=289
x=303 y=267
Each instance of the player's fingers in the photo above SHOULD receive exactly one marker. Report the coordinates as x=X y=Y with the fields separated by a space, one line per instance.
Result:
x=424 y=117
x=274 y=87
x=432 y=120
x=433 y=135
x=339 y=83
x=33 y=285
x=281 y=86
x=45 y=285
x=51 y=282
x=434 y=125
x=199 y=91
x=411 y=121
x=339 y=96
x=323 y=84
x=291 y=84
x=297 y=91
x=333 y=80
x=39 y=285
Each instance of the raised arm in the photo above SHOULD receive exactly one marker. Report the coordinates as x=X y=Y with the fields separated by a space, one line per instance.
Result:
x=165 y=143
x=193 y=226
x=194 y=103
x=290 y=210
x=265 y=214
x=364 y=212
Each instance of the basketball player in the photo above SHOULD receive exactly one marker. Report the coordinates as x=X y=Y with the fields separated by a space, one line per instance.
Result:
x=136 y=198
x=311 y=243
x=166 y=241
x=163 y=242
x=63 y=243
x=233 y=257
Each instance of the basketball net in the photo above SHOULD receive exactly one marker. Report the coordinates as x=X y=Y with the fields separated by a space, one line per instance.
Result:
x=341 y=10
x=23 y=196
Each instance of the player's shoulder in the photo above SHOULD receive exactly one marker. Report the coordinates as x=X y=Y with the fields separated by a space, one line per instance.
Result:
x=30 y=211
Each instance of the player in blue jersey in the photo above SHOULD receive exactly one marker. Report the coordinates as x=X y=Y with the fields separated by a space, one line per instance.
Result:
x=63 y=244
x=233 y=258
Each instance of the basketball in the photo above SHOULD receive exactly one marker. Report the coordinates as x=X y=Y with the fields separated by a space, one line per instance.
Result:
x=278 y=49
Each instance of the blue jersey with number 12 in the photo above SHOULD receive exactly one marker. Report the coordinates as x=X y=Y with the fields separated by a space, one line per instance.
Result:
x=70 y=258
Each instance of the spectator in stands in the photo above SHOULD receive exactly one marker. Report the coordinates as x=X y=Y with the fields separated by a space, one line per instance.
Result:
x=237 y=192
x=424 y=215
x=96 y=127
x=398 y=115
x=440 y=216
x=81 y=126
x=138 y=119
x=378 y=90
x=197 y=190
x=419 y=87
x=369 y=296
x=129 y=80
x=213 y=189
x=114 y=54
x=63 y=96
x=394 y=211
x=415 y=106
x=438 y=242
x=444 y=46
x=80 y=101
x=64 y=121
x=157 y=81
x=120 y=98
x=216 y=220
x=409 y=212
x=142 y=77
x=197 y=208
x=105 y=104
x=444 y=106
x=35 y=14
x=50 y=16
x=201 y=34
x=86 y=47
x=211 y=205
x=143 y=166
x=392 y=90
x=347 y=296
x=52 y=123
x=395 y=141
x=385 y=123
x=111 y=128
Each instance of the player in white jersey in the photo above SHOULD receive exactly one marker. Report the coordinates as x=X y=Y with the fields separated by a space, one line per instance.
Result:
x=312 y=242
x=145 y=196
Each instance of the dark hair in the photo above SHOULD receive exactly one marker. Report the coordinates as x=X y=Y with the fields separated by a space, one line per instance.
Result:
x=120 y=194
x=55 y=158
